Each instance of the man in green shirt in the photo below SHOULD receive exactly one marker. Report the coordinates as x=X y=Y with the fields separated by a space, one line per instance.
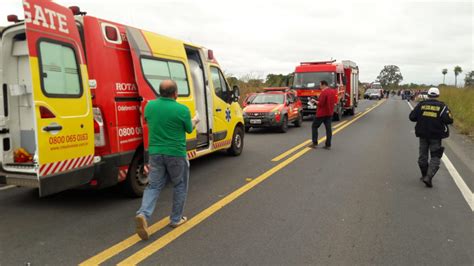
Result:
x=168 y=122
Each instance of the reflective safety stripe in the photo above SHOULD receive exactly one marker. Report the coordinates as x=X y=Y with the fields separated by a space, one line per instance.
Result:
x=65 y=165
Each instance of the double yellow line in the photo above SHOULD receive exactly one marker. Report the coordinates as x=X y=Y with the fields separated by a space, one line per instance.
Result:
x=161 y=242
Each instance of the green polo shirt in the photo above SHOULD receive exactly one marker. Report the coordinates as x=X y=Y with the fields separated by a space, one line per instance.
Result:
x=168 y=121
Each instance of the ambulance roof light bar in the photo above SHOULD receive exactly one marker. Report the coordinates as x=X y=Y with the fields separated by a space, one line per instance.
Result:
x=76 y=11
x=318 y=62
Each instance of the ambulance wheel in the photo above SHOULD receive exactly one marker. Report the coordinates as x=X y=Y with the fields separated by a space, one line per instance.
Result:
x=299 y=120
x=237 y=142
x=137 y=179
x=284 y=125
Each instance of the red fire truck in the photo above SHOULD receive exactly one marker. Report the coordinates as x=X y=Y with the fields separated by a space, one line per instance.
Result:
x=342 y=76
x=74 y=88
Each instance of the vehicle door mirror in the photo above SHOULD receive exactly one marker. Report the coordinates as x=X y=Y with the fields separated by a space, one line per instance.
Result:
x=235 y=93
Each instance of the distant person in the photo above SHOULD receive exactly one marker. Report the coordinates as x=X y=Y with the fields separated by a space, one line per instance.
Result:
x=432 y=118
x=168 y=122
x=324 y=113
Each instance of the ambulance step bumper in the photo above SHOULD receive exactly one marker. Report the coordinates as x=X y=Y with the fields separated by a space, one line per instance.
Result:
x=16 y=179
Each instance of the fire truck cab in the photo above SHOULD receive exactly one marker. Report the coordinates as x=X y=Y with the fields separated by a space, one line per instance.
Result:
x=74 y=89
x=343 y=77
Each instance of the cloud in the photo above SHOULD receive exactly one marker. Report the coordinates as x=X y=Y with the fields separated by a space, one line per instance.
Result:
x=262 y=37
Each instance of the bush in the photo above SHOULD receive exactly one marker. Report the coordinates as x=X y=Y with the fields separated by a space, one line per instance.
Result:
x=461 y=104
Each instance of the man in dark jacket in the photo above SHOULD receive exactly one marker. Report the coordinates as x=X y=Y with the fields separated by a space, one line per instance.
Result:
x=324 y=113
x=432 y=118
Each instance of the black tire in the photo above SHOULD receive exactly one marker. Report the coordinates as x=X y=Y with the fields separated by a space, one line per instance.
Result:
x=299 y=120
x=337 y=115
x=351 y=111
x=137 y=180
x=284 y=125
x=247 y=129
x=237 y=142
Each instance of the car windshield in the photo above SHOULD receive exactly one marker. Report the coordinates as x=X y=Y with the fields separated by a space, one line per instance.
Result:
x=268 y=99
x=310 y=80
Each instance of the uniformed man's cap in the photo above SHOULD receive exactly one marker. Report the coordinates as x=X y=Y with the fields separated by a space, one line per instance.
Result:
x=434 y=92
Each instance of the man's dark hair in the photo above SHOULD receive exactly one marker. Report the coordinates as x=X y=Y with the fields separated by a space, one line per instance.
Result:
x=323 y=82
x=168 y=88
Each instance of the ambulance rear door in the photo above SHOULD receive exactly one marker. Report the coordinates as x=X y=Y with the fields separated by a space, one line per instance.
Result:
x=63 y=115
x=157 y=58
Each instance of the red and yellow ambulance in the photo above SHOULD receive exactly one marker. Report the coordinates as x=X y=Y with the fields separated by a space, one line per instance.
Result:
x=74 y=88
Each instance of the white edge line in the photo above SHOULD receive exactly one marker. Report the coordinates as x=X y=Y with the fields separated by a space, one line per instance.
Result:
x=7 y=187
x=465 y=191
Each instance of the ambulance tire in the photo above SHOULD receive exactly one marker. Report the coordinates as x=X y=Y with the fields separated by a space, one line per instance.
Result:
x=135 y=184
x=237 y=142
x=299 y=120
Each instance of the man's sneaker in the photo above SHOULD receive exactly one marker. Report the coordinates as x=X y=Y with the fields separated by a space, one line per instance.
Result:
x=183 y=220
x=142 y=227
x=313 y=146
x=427 y=181
x=327 y=147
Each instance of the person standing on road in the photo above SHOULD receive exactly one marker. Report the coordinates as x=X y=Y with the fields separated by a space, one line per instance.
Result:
x=168 y=122
x=324 y=113
x=432 y=118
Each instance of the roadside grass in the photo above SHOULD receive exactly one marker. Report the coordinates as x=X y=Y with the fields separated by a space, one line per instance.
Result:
x=461 y=104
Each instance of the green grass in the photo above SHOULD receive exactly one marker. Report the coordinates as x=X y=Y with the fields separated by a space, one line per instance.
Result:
x=461 y=104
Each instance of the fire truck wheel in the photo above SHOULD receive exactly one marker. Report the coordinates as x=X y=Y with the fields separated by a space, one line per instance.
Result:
x=237 y=142
x=299 y=120
x=351 y=111
x=284 y=124
x=137 y=179
x=338 y=114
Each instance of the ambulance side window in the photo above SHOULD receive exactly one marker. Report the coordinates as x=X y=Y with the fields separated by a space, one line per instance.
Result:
x=219 y=83
x=59 y=70
x=157 y=70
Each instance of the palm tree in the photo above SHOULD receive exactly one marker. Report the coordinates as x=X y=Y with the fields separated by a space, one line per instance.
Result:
x=445 y=71
x=457 y=71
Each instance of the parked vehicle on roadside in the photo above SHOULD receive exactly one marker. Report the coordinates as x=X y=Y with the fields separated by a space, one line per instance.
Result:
x=342 y=76
x=74 y=88
x=274 y=108
x=373 y=94
x=248 y=99
x=421 y=96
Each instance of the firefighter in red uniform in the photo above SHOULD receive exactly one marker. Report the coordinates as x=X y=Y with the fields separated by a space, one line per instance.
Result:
x=324 y=114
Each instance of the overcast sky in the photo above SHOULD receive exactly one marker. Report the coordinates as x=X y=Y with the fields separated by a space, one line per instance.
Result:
x=261 y=37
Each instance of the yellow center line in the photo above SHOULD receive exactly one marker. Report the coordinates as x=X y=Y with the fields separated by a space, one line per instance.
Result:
x=340 y=124
x=123 y=245
x=307 y=142
x=161 y=242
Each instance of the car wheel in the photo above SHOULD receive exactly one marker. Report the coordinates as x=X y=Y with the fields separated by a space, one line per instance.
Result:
x=284 y=125
x=137 y=179
x=237 y=142
x=299 y=120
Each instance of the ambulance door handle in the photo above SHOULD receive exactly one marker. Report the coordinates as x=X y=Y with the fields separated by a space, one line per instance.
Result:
x=218 y=110
x=53 y=128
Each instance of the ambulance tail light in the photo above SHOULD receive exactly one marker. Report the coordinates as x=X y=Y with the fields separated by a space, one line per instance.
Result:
x=99 y=135
x=45 y=113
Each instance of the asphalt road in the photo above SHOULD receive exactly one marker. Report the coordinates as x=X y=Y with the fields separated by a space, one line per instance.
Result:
x=360 y=203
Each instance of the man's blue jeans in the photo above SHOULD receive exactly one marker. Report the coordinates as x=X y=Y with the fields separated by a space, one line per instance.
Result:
x=162 y=168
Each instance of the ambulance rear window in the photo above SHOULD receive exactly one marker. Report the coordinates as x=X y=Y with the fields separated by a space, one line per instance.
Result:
x=157 y=70
x=60 y=75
